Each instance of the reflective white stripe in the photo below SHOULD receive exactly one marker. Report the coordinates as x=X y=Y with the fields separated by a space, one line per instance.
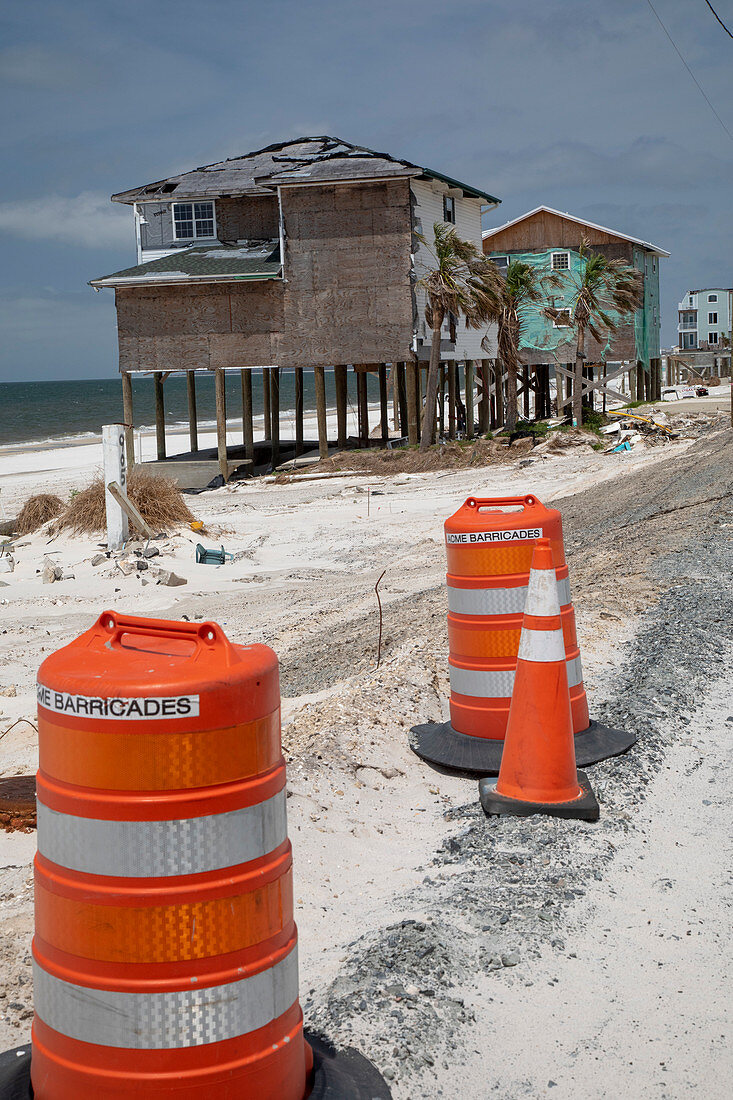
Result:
x=142 y=849
x=541 y=645
x=161 y=1021
x=487 y=601
x=479 y=684
x=497 y=601
x=482 y=684
x=542 y=595
x=575 y=672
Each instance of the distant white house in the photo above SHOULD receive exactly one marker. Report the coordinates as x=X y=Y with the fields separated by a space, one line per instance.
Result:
x=704 y=319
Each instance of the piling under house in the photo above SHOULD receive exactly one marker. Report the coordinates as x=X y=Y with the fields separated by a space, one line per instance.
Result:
x=299 y=257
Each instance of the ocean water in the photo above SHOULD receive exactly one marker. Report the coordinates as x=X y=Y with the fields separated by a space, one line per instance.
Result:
x=62 y=411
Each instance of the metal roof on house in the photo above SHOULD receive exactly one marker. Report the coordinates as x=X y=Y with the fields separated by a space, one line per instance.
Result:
x=305 y=160
x=579 y=221
x=215 y=261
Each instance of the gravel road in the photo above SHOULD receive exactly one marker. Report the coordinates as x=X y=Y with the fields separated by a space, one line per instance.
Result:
x=501 y=897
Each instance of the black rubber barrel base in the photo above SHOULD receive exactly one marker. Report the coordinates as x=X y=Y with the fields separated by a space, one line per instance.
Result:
x=343 y=1074
x=337 y=1074
x=15 y=1074
x=441 y=746
x=585 y=807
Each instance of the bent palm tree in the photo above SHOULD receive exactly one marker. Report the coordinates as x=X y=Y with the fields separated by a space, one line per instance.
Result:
x=462 y=282
x=602 y=285
x=523 y=286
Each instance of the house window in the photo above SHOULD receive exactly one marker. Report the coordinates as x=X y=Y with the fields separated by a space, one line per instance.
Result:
x=712 y=297
x=502 y=262
x=712 y=318
x=692 y=299
x=712 y=337
x=562 y=320
x=560 y=261
x=192 y=220
x=449 y=209
x=654 y=263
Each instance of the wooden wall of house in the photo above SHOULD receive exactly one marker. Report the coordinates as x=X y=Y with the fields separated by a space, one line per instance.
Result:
x=347 y=264
x=200 y=326
x=545 y=230
x=247 y=218
x=346 y=296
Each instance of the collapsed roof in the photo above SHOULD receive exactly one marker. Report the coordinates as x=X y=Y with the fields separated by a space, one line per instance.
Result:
x=305 y=160
x=207 y=263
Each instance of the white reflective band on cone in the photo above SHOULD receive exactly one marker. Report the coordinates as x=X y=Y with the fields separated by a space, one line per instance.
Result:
x=162 y=1021
x=497 y=601
x=541 y=645
x=542 y=594
x=148 y=849
x=481 y=684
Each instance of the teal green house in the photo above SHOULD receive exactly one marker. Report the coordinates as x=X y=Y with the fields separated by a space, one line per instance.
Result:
x=550 y=240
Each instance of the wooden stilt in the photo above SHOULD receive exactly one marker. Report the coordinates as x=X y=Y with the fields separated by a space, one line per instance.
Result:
x=525 y=393
x=402 y=398
x=485 y=406
x=159 y=415
x=363 y=406
x=441 y=401
x=341 y=379
x=413 y=399
x=320 y=380
x=392 y=384
x=193 y=429
x=275 y=414
x=221 y=422
x=298 y=410
x=127 y=416
x=266 y=403
x=248 y=438
x=451 y=400
x=499 y=386
x=383 y=403
x=469 y=399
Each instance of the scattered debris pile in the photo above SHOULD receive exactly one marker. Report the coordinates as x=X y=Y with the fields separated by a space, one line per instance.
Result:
x=158 y=500
x=443 y=456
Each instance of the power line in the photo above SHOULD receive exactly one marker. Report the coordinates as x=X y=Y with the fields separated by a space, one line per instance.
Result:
x=718 y=18
x=697 y=82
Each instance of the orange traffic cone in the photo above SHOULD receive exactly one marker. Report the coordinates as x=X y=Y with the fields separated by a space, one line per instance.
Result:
x=538 y=773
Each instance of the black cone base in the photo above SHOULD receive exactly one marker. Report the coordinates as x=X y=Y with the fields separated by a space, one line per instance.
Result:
x=337 y=1074
x=343 y=1074
x=442 y=746
x=585 y=807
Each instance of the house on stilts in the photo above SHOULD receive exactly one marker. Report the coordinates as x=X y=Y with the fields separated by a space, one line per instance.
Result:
x=550 y=240
x=299 y=257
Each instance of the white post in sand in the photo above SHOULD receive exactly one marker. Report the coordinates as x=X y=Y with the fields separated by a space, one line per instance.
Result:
x=115 y=469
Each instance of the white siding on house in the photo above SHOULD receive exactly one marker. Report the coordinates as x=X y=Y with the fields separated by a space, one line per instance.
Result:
x=428 y=209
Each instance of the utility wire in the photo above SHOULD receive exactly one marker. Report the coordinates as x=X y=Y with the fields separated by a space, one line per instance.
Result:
x=697 y=82
x=718 y=18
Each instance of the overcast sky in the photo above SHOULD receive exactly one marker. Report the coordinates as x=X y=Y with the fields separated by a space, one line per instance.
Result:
x=582 y=105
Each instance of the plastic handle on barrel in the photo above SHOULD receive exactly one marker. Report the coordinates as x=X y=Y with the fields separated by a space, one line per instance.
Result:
x=481 y=502
x=203 y=635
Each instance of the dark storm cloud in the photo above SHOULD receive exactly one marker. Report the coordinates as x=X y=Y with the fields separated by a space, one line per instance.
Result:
x=576 y=104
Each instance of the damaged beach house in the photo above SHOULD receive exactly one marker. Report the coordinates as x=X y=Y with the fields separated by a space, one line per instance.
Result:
x=299 y=257
x=550 y=240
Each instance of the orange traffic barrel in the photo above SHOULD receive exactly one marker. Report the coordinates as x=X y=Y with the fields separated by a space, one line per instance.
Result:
x=165 y=950
x=489 y=546
x=538 y=773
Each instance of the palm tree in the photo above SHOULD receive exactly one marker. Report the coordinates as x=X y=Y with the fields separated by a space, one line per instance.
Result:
x=523 y=286
x=602 y=285
x=463 y=282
